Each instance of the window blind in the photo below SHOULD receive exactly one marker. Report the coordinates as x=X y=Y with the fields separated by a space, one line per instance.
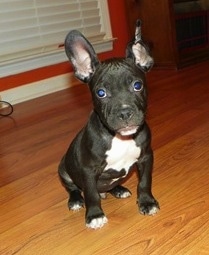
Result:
x=31 y=28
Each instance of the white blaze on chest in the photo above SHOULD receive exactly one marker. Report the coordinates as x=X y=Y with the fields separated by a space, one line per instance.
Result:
x=123 y=154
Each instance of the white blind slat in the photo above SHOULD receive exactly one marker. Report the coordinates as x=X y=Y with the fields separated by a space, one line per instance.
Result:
x=29 y=27
x=12 y=5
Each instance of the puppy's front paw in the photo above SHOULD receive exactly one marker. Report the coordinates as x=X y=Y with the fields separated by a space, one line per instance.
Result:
x=96 y=223
x=75 y=205
x=76 y=201
x=149 y=208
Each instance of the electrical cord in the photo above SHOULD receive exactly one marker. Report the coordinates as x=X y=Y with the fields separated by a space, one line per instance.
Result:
x=6 y=108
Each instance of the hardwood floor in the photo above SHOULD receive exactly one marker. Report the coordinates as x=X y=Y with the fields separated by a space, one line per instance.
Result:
x=34 y=218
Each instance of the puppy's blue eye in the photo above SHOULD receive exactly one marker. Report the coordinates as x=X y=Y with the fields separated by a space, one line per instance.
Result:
x=138 y=85
x=101 y=93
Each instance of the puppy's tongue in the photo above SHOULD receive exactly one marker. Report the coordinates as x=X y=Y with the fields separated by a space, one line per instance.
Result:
x=127 y=130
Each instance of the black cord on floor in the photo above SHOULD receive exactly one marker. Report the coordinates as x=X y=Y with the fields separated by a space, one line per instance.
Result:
x=6 y=108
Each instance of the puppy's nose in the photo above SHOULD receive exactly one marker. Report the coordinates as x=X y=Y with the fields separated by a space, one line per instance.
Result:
x=125 y=113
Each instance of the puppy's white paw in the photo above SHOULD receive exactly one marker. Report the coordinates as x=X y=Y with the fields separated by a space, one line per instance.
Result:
x=154 y=210
x=103 y=195
x=125 y=194
x=76 y=207
x=97 y=223
x=149 y=208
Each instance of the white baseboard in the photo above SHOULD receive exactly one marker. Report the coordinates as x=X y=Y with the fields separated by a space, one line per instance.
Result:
x=39 y=88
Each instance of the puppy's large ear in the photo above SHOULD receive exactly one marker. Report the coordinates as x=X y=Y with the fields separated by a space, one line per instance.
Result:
x=81 y=55
x=138 y=51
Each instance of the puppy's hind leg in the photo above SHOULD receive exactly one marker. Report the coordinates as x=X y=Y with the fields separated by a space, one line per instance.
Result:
x=120 y=192
x=76 y=201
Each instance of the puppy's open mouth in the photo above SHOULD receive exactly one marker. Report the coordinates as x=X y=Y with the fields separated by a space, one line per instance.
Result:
x=127 y=130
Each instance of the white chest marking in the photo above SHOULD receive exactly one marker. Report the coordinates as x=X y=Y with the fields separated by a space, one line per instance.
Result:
x=123 y=154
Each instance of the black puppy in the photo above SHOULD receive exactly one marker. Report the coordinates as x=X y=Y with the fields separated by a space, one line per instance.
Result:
x=116 y=135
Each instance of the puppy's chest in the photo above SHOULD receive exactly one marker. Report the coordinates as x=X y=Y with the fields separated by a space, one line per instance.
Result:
x=122 y=154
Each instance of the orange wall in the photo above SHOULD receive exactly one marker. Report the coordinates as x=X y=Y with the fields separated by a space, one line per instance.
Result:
x=119 y=30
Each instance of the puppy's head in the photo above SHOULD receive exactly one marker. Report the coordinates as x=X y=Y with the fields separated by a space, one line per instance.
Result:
x=118 y=86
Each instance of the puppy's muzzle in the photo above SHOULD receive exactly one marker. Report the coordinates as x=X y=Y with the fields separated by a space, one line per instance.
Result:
x=126 y=113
